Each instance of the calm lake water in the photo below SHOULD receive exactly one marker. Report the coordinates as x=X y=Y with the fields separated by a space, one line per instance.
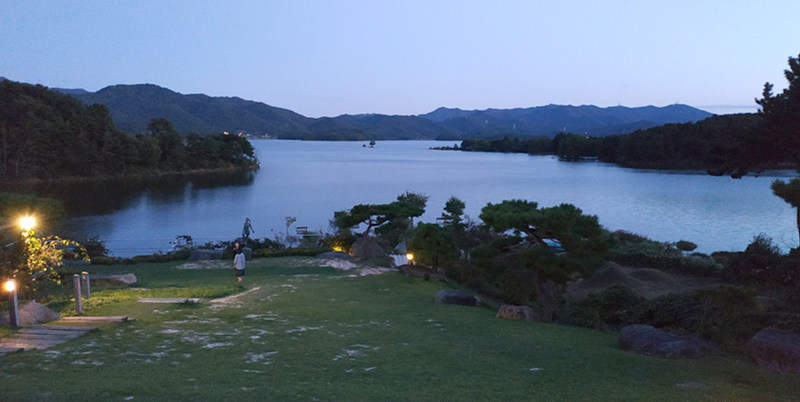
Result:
x=311 y=180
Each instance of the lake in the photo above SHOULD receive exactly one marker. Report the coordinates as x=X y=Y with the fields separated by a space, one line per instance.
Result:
x=311 y=180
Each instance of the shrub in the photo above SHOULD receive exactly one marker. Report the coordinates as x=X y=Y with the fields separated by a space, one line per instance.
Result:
x=94 y=247
x=727 y=315
x=761 y=262
x=684 y=245
x=613 y=308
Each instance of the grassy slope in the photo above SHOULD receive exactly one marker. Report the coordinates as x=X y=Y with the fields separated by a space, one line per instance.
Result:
x=317 y=333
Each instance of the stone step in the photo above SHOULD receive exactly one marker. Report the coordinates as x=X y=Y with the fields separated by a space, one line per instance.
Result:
x=64 y=328
x=64 y=336
x=112 y=318
x=169 y=300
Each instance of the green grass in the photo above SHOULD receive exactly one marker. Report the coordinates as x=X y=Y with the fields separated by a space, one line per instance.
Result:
x=315 y=333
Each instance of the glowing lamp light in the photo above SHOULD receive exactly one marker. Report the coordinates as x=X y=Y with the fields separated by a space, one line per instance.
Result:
x=410 y=257
x=10 y=286
x=27 y=223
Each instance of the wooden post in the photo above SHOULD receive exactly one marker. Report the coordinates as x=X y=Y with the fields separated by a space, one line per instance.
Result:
x=85 y=279
x=76 y=280
x=13 y=312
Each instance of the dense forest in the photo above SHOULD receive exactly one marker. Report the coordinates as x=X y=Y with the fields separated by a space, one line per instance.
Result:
x=47 y=135
x=713 y=144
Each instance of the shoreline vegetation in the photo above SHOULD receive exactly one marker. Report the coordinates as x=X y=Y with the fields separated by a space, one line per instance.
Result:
x=46 y=136
x=715 y=146
x=151 y=175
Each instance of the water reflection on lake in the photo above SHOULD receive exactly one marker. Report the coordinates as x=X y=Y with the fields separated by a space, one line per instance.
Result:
x=311 y=180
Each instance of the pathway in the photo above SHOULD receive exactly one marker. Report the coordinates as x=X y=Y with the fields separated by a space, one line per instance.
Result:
x=46 y=336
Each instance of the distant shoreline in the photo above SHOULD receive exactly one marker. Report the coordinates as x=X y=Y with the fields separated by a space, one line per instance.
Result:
x=11 y=185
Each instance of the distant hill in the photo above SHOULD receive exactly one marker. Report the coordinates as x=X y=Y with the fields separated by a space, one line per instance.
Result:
x=133 y=106
x=553 y=119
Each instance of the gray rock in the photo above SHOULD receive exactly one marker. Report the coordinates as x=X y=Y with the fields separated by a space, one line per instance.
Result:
x=204 y=255
x=366 y=248
x=113 y=279
x=524 y=313
x=775 y=349
x=455 y=296
x=31 y=313
x=649 y=340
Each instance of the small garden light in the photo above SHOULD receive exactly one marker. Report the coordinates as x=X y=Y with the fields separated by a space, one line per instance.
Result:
x=410 y=257
x=10 y=286
x=27 y=223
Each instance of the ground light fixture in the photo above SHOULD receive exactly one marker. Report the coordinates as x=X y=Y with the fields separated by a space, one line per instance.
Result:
x=410 y=257
x=10 y=286
x=27 y=223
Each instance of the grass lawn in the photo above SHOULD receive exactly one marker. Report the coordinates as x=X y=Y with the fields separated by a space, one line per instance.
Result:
x=297 y=330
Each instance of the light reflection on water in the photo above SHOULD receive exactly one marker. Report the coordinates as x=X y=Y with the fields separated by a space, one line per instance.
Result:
x=311 y=180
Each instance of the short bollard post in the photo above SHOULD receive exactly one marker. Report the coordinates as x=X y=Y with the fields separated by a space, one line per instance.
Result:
x=85 y=283
x=76 y=280
x=13 y=312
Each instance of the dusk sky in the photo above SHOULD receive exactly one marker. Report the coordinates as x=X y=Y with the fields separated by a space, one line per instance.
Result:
x=326 y=58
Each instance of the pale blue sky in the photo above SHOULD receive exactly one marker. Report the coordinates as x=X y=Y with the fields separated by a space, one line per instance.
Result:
x=326 y=58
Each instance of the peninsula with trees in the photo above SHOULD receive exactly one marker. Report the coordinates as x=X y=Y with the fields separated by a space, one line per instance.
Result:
x=48 y=135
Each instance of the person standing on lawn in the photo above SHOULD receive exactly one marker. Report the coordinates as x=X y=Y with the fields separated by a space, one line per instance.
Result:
x=238 y=260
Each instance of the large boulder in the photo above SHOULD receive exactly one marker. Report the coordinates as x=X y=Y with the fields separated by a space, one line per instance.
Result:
x=113 y=279
x=524 y=313
x=456 y=296
x=31 y=314
x=365 y=248
x=649 y=340
x=775 y=349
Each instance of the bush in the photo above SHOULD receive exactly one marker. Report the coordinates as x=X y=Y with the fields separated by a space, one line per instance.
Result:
x=760 y=262
x=613 y=308
x=684 y=245
x=94 y=247
x=727 y=315
x=176 y=255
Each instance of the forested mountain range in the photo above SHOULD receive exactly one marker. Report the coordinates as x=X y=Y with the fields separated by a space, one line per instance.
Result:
x=133 y=106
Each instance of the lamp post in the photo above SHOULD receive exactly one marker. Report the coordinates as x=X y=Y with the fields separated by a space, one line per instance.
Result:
x=13 y=313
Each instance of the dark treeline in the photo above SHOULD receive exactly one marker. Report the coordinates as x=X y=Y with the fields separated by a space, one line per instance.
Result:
x=48 y=135
x=711 y=144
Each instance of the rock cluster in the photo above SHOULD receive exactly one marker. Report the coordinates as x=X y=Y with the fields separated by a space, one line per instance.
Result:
x=775 y=349
x=523 y=313
x=31 y=314
x=365 y=248
x=455 y=296
x=113 y=279
x=649 y=340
